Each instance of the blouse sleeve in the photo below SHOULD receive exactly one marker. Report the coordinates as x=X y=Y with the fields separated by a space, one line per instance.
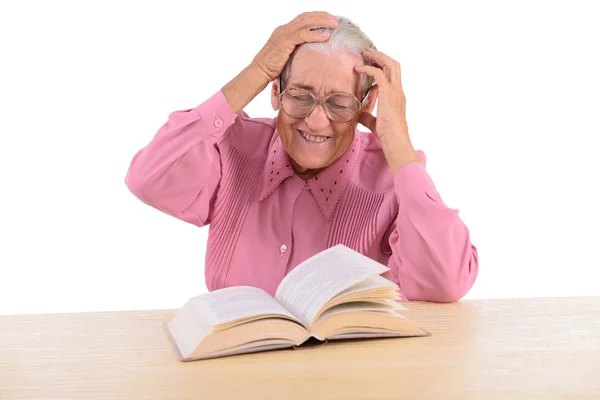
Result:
x=179 y=171
x=432 y=256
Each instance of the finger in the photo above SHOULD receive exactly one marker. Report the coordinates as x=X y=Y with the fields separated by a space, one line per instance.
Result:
x=390 y=67
x=385 y=62
x=380 y=58
x=316 y=19
x=308 y=27
x=369 y=121
x=312 y=36
x=375 y=72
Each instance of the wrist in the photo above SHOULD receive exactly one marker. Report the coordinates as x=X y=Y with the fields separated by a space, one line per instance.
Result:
x=399 y=151
x=242 y=89
x=258 y=73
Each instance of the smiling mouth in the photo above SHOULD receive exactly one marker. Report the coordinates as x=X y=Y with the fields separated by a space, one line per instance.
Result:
x=311 y=138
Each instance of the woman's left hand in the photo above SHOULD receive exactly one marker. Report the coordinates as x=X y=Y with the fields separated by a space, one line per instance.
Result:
x=390 y=125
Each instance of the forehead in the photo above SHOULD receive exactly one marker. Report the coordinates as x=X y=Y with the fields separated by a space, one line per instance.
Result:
x=324 y=72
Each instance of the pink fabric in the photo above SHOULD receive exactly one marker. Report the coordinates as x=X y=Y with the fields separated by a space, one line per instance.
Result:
x=209 y=166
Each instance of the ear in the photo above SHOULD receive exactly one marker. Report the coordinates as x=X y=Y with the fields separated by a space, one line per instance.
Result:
x=275 y=95
x=371 y=99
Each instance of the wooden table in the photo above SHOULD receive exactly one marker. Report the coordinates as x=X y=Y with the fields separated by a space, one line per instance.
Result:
x=482 y=349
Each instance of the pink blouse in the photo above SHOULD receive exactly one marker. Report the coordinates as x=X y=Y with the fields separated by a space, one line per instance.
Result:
x=210 y=166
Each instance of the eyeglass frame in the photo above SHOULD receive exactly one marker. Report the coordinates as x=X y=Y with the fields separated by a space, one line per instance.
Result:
x=321 y=102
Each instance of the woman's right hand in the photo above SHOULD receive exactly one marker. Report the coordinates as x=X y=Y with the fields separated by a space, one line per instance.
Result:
x=271 y=59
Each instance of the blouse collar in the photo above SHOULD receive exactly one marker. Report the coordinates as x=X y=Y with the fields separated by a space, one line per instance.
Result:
x=326 y=187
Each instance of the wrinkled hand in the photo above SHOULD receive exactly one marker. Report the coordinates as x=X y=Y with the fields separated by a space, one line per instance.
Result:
x=390 y=125
x=274 y=55
x=391 y=107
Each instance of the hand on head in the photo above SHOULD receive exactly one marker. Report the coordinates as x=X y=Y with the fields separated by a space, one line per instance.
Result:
x=283 y=41
x=391 y=109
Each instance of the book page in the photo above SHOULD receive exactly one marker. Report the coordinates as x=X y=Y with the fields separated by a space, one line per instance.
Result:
x=320 y=278
x=361 y=306
x=374 y=282
x=229 y=304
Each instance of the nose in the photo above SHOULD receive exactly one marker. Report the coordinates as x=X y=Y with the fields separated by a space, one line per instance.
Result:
x=317 y=119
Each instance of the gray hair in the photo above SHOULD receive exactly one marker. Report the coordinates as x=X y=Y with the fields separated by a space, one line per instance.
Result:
x=347 y=36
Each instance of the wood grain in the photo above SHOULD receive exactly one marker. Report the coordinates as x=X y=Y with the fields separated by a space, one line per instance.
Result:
x=480 y=349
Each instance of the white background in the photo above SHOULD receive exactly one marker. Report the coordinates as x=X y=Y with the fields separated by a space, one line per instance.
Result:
x=502 y=96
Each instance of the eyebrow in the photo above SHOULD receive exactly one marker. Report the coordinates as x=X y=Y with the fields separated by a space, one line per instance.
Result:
x=311 y=88
x=303 y=86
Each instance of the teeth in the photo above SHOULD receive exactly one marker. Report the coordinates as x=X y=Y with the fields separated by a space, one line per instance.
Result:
x=316 y=139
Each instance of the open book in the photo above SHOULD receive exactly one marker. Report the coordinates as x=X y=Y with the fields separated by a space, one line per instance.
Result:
x=336 y=294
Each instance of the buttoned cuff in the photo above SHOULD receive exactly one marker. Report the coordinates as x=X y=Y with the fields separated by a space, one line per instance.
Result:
x=216 y=115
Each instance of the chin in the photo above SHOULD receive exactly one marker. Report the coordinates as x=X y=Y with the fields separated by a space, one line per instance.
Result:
x=309 y=163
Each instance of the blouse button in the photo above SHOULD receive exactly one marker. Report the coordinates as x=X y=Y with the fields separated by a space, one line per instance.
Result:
x=283 y=248
x=218 y=123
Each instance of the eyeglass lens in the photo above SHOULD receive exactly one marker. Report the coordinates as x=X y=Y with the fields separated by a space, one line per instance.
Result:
x=298 y=103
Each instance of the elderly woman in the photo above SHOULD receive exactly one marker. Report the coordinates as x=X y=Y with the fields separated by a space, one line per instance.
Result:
x=275 y=191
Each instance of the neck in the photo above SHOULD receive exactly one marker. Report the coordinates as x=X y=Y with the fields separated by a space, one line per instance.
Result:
x=305 y=173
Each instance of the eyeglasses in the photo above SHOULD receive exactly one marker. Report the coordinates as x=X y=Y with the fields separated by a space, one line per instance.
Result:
x=339 y=107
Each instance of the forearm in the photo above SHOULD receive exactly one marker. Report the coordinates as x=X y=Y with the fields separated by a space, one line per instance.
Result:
x=183 y=131
x=431 y=245
x=398 y=148
x=242 y=89
x=179 y=170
